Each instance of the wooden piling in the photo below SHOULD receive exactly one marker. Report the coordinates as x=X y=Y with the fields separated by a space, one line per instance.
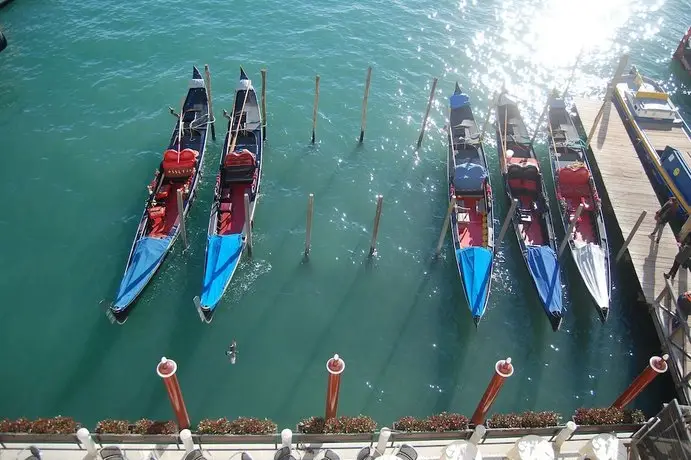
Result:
x=263 y=71
x=539 y=122
x=505 y=225
x=364 y=104
x=489 y=113
x=181 y=216
x=631 y=235
x=212 y=120
x=375 y=230
x=569 y=230
x=429 y=107
x=445 y=225
x=248 y=226
x=316 y=105
x=308 y=231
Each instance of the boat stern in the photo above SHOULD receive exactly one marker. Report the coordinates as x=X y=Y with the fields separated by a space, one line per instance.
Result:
x=592 y=264
x=475 y=266
x=146 y=258
x=543 y=265
x=222 y=257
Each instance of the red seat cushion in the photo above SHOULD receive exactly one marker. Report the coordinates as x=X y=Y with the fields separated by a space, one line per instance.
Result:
x=242 y=158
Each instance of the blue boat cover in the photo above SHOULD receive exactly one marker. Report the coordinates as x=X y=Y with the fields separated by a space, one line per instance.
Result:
x=222 y=257
x=475 y=264
x=456 y=101
x=147 y=256
x=469 y=176
x=673 y=161
x=544 y=268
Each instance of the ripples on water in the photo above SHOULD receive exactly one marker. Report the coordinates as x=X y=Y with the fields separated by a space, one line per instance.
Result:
x=84 y=90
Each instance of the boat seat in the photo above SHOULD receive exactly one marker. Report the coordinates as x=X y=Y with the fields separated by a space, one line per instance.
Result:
x=163 y=192
x=463 y=217
x=157 y=219
x=226 y=206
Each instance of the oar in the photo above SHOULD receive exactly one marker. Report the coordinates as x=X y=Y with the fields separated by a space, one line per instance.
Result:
x=502 y=154
x=182 y=109
x=231 y=147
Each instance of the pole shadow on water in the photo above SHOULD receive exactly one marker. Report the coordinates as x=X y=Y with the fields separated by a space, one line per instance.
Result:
x=452 y=354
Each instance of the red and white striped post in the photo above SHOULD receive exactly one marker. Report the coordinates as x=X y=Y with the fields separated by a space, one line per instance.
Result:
x=656 y=366
x=335 y=367
x=503 y=369
x=166 y=369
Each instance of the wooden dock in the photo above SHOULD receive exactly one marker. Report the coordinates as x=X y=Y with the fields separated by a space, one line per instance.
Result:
x=630 y=192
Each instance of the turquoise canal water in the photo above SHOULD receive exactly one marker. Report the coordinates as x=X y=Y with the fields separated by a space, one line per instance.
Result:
x=85 y=89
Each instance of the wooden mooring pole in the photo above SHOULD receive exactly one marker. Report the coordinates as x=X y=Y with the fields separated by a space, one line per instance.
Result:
x=505 y=225
x=263 y=72
x=631 y=235
x=429 y=107
x=181 y=216
x=503 y=369
x=316 y=105
x=335 y=367
x=212 y=120
x=445 y=226
x=308 y=228
x=569 y=231
x=656 y=366
x=248 y=225
x=375 y=230
x=364 y=104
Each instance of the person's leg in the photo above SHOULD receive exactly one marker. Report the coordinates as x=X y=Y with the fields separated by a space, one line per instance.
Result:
x=673 y=271
x=657 y=227
x=661 y=228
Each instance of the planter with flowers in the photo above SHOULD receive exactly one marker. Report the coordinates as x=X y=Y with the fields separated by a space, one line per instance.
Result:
x=54 y=430
x=439 y=426
x=240 y=430
x=339 y=429
x=141 y=431
x=599 y=419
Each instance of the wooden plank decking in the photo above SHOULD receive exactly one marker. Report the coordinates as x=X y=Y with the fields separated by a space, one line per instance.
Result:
x=630 y=192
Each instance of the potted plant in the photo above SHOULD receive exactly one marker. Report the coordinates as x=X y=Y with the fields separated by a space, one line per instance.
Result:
x=438 y=426
x=521 y=424
x=339 y=429
x=56 y=429
x=594 y=419
x=240 y=430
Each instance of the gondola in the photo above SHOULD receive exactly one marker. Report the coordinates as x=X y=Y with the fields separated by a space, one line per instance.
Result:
x=239 y=175
x=159 y=225
x=472 y=219
x=532 y=219
x=574 y=186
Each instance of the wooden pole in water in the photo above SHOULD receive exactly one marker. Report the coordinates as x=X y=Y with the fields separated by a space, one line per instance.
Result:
x=335 y=366
x=572 y=225
x=445 y=226
x=207 y=74
x=505 y=225
x=539 y=122
x=608 y=96
x=429 y=106
x=308 y=231
x=263 y=71
x=375 y=230
x=631 y=235
x=656 y=366
x=316 y=105
x=364 y=104
x=181 y=216
x=166 y=369
x=489 y=112
x=503 y=369
x=248 y=225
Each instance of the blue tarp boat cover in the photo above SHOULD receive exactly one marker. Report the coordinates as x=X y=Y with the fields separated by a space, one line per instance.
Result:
x=222 y=257
x=469 y=176
x=456 y=101
x=544 y=268
x=147 y=256
x=475 y=264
